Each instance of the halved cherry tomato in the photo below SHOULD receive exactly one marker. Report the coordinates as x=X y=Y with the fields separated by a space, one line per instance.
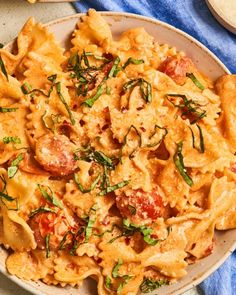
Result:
x=55 y=154
x=51 y=223
x=176 y=68
x=140 y=206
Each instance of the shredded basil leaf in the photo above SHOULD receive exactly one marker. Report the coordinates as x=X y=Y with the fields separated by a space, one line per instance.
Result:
x=26 y=88
x=133 y=61
x=12 y=170
x=115 y=274
x=91 y=221
x=149 y=285
x=50 y=198
x=195 y=81
x=50 y=121
x=108 y=282
x=75 y=246
x=1 y=45
x=126 y=278
x=108 y=90
x=41 y=210
x=132 y=209
x=131 y=228
x=63 y=241
x=145 y=88
x=179 y=163
x=116 y=268
x=6 y=197
x=189 y=107
x=131 y=155
x=202 y=145
x=114 y=68
x=3 y=69
x=58 y=88
x=112 y=188
x=89 y=154
x=152 y=144
x=81 y=188
x=99 y=57
x=14 y=139
x=47 y=242
x=90 y=101
x=7 y=110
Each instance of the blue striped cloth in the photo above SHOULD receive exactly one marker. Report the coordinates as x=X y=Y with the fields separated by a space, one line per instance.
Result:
x=193 y=17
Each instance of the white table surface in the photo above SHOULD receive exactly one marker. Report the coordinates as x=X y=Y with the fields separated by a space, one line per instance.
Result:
x=13 y=14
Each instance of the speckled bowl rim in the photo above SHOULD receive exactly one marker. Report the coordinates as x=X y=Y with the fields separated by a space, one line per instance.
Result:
x=200 y=278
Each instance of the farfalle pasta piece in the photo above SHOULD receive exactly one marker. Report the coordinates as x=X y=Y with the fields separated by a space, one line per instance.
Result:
x=226 y=86
x=92 y=29
x=73 y=270
x=33 y=38
x=30 y=265
x=16 y=232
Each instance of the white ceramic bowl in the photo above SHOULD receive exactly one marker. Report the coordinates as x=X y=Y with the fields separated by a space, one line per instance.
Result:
x=209 y=65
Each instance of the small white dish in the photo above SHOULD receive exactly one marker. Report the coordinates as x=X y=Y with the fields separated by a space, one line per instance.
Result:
x=225 y=13
x=211 y=66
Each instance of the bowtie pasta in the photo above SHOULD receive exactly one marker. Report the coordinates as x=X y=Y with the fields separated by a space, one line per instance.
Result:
x=117 y=159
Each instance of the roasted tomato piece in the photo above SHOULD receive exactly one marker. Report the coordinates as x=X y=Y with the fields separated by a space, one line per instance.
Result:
x=55 y=154
x=30 y=165
x=176 y=68
x=51 y=223
x=141 y=207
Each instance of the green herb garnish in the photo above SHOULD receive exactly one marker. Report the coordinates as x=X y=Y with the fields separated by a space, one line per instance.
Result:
x=126 y=278
x=50 y=121
x=108 y=282
x=195 y=81
x=114 y=187
x=47 y=243
x=11 y=171
x=13 y=139
x=41 y=210
x=116 y=268
x=90 y=101
x=202 y=145
x=151 y=137
x=179 y=163
x=89 y=154
x=50 y=198
x=26 y=88
x=115 y=274
x=108 y=90
x=130 y=229
x=8 y=198
x=114 y=69
x=132 y=209
x=190 y=108
x=3 y=69
x=91 y=221
x=7 y=110
x=149 y=285
x=145 y=88
x=133 y=61
x=131 y=155
x=99 y=57
x=58 y=88
x=1 y=45
x=81 y=188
